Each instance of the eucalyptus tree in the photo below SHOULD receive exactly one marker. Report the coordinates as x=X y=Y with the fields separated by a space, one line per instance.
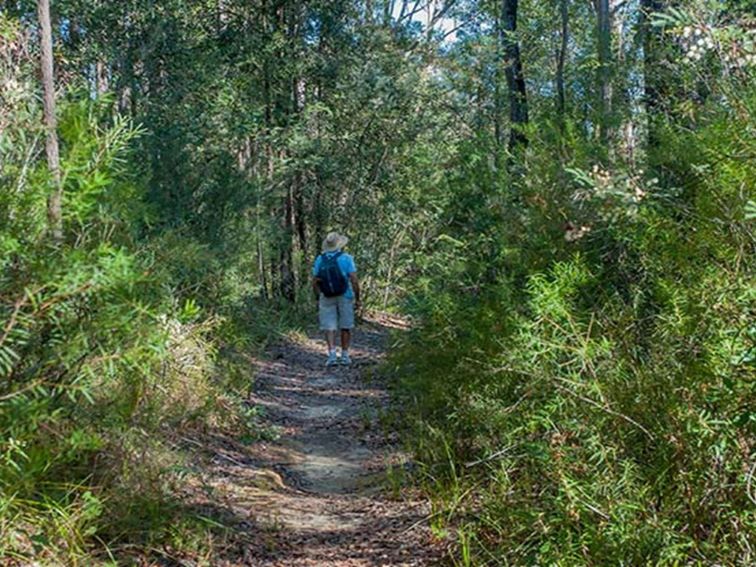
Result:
x=518 y=98
x=54 y=207
x=564 y=38
x=604 y=69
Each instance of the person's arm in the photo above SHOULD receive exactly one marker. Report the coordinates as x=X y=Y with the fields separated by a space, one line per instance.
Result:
x=316 y=279
x=356 y=288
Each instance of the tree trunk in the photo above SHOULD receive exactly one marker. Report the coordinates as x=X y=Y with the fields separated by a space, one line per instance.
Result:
x=287 y=279
x=101 y=72
x=388 y=7
x=248 y=164
x=274 y=272
x=518 y=99
x=561 y=59
x=54 y=202
x=368 y=12
x=300 y=223
x=300 y=216
x=652 y=87
x=261 y=266
x=289 y=20
x=501 y=61
x=604 y=73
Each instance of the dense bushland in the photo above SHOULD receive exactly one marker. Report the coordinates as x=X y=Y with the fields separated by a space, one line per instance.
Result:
x=560 y=193
x=581 y=378
x=203 y=158
x=105 y=357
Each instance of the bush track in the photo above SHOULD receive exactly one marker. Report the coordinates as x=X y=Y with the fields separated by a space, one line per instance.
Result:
x=318 y=494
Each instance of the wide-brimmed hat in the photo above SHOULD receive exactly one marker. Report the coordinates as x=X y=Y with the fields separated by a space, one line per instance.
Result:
x=334 y=241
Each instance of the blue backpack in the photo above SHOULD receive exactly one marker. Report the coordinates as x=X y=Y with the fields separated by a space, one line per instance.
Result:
x=331 y=280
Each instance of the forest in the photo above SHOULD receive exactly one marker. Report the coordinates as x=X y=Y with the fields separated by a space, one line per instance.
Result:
x=558 y=198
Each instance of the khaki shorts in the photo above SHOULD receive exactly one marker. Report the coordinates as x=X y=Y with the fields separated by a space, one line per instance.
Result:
x=335 y=313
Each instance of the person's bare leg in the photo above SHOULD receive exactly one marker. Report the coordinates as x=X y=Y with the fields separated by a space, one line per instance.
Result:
x=346 y=338
x=331 y=340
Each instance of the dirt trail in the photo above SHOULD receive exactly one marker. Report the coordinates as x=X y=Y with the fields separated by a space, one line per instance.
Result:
x=319 y=494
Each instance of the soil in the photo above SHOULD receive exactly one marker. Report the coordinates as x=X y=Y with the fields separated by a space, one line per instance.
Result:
x=325 y=492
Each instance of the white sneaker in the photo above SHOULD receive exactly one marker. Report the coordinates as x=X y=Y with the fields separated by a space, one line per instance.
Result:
x=345 y=360
x=332 y=360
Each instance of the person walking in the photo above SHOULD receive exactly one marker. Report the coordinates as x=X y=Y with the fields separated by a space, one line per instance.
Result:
x=337 y=291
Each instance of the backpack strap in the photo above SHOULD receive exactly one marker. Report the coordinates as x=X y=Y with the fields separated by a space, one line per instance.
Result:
x=324 y=256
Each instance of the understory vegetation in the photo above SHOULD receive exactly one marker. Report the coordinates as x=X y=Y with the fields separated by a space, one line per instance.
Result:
x=560 y=196
x=114 y=345
x=580 y=381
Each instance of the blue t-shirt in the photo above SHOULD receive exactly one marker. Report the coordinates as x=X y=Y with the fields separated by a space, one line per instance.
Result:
x=347 y=266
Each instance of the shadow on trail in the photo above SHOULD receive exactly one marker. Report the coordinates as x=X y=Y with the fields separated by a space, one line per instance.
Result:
x=327 y=415
x=317 y=494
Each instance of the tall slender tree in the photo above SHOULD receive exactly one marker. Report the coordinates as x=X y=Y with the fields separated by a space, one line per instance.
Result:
x=651 y=74
x=561 y=58
x=55 y=200
x=604 y=71
x=518 y=98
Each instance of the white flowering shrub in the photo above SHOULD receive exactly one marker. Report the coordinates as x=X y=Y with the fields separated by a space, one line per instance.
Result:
x=733 y=44
x=611 y=195
x=697 y=42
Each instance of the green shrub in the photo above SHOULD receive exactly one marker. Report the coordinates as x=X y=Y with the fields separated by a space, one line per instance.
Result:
x=104 y=356
x=591 y=400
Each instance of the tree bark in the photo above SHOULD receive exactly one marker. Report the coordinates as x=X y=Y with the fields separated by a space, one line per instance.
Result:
x=388 y=7
x=604 y=73
x=652 y=86
x=55 y=201
x=561 y=59
x=300 y=222
x=289 y=20
x=249 y=165
x=368 y=12
x=518 y=99
x=501 y=60
x=300 y=217
x=101 y=77
x=287 y=279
